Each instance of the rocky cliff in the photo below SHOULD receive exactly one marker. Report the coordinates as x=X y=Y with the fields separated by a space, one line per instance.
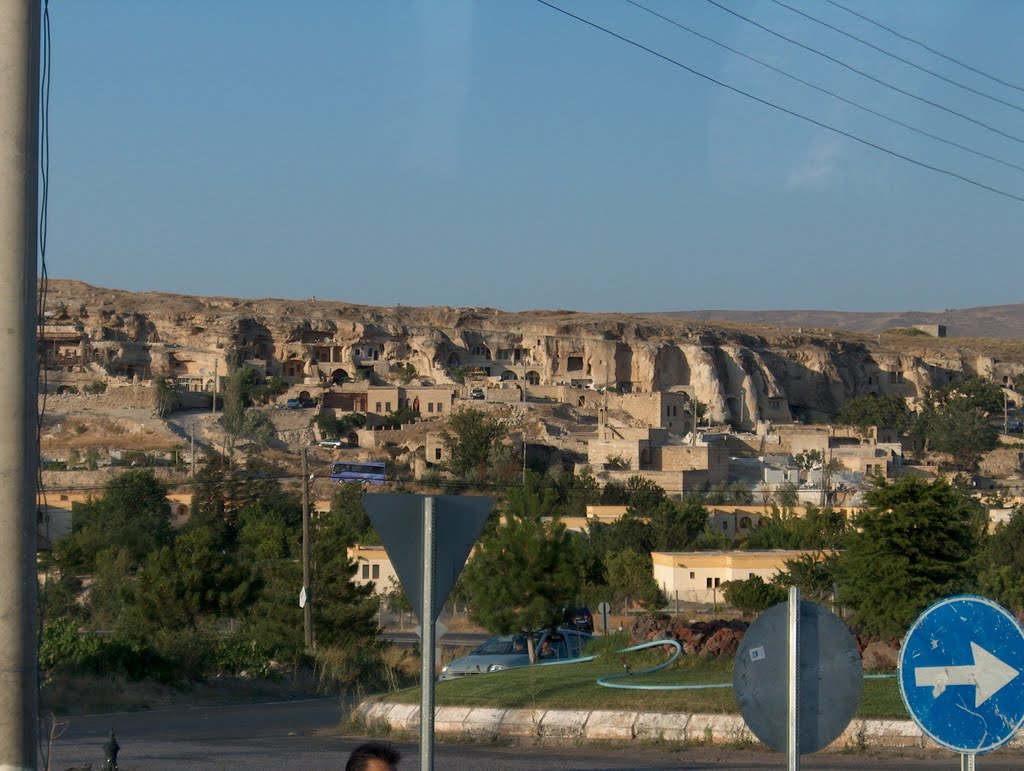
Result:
x=742 y=373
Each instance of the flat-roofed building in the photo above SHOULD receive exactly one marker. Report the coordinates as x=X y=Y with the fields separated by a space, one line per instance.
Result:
x=697 y=576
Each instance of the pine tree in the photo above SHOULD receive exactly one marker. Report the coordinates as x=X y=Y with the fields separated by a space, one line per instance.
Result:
x=915 y=544
x=527 y=570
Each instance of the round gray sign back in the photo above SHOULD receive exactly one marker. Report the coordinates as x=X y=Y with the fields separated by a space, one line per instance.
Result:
x=830 y=683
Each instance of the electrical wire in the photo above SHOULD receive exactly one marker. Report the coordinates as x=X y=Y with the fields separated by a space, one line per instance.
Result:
x=823 y=90
x=926 y=47
x=786 y=110
x=898 y=58
x=867 y=75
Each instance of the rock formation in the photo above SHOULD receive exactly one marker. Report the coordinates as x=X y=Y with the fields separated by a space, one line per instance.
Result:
x=741 y=373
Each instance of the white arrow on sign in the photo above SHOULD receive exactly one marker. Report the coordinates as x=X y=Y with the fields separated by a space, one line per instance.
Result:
x=988 y=674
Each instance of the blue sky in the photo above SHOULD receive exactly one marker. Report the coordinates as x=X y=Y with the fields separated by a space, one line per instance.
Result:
x=497 y=153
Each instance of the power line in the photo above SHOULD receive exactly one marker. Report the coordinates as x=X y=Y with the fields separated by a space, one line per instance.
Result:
x=899 y=58
x=823 y=90
x=867 y=75
x=926 y=47
x=786 y=110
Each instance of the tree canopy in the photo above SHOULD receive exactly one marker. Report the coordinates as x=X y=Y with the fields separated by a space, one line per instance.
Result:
x=472 y=439
x=525 y=571
x=916 y=542
x=890 y=412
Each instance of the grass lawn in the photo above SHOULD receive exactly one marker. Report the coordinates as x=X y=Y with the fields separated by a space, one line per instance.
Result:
x=574 y=687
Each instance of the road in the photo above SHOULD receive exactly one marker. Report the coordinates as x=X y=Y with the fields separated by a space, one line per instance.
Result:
x=303 y=735
x=450 y=639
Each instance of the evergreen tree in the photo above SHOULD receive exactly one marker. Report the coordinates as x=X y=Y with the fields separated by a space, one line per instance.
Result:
x=677 y=525
x=344 y=613
x=132 y=514
x=882 y=411
x=916 y=543
x=524 y=572
x=644 y=496
x=472 y=439
x=1002 y=564
x=631 y=577
x=752 y=595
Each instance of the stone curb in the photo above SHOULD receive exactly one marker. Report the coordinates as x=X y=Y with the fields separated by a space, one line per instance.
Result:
x=607 y=725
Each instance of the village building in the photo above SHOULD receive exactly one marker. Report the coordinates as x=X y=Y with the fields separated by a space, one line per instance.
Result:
x=698 y=576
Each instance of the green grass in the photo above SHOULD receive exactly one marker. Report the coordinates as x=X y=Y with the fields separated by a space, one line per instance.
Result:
x=574 y=687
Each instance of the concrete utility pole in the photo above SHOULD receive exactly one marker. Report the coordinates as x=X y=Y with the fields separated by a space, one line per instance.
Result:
x=307 y=608
x=19 y=169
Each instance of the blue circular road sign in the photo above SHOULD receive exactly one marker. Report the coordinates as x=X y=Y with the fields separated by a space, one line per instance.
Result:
x=960 y=674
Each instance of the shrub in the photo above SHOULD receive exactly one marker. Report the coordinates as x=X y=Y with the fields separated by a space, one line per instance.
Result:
x=95 y=387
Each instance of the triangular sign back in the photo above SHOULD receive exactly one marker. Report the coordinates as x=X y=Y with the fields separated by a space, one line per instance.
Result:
x=398 y=520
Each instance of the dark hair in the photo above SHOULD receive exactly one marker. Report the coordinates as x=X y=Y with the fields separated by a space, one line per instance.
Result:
x=361 y=755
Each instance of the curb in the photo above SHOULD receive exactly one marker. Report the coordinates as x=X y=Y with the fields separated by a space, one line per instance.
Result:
x=554 y=725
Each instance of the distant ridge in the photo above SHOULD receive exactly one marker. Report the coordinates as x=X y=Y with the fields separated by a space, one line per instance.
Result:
x=998 y=321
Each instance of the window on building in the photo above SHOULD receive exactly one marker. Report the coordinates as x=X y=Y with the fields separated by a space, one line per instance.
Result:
x=440 y=406
x=725 y=525
x=376 y=571
x=378 y=406
x=716 y=583
x=387 y=406
x=366 y=570
x=430 y=406
x=437 y=454
x=693 y=575
x=709 y=583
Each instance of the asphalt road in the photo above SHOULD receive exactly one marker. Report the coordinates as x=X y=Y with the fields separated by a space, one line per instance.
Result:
x=303 y=735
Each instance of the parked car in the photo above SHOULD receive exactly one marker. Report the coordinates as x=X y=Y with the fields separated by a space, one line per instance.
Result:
x=579 y=618
x=477 y=393
x=335 y=443
x=1015 y=426
x=292 y=404
x=510 y=651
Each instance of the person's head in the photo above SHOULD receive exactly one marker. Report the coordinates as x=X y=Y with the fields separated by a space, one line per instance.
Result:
x=374 y=756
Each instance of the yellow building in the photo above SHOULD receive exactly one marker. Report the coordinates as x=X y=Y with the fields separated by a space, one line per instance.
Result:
x=696 y=576
x=373 y=566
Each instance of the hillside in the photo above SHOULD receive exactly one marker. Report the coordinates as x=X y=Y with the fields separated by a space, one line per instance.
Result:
x=994 y=321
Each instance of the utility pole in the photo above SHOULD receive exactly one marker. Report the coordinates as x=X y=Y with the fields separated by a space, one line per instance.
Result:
x=193 y=447
x=1006 y=414
x=524 y=458
x=214 y=386
x=307 y=609
x=19 y=201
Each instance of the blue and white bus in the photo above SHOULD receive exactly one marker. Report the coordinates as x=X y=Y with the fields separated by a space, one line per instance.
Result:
x=369 y=472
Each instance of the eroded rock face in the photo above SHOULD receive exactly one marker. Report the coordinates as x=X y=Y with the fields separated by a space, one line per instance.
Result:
x=741 y=374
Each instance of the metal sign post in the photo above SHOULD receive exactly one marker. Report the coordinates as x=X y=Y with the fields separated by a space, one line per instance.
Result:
x=793 y=729
x=797 y=677
x=408 y=527
x=603 y=610
x=427 y=641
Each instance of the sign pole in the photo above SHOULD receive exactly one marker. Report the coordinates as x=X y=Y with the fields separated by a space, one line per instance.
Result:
x=793 y=736
x=427 y=641
x=967 y=761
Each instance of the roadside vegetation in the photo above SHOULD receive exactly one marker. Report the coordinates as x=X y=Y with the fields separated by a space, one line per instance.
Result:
x=127 y=596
